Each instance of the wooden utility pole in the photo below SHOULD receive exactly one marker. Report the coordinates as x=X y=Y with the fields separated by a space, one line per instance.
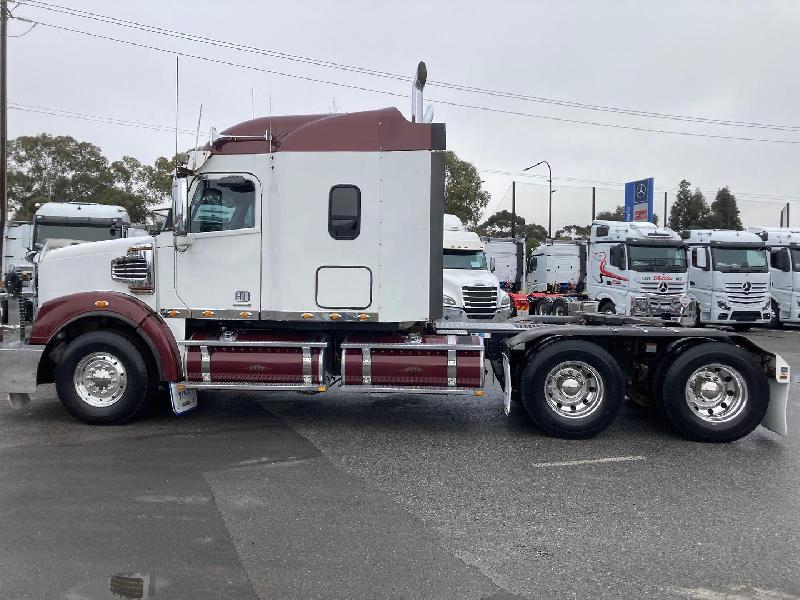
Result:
x=3 y=121
x=513 y=209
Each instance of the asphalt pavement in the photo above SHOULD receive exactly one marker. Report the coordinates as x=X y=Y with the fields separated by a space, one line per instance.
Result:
x=392 y=496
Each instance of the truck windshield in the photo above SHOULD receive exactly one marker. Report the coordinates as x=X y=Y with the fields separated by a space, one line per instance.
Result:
x=669 y=259
x=739 y=260
x=464 y=259
x=82 y=233
x=795 y=258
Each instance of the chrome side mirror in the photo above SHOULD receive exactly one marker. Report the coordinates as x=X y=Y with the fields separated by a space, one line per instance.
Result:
x=180 y=206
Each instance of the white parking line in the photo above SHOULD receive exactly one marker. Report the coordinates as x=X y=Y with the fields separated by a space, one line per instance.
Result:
x=589 y=461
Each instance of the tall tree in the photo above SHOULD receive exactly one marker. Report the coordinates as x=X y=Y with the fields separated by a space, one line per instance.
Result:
x=573 y=232
x=499 y=225
x=724 y=211
x=618 y=214
x=463 y=194
x=690 y=209
x=47 y=168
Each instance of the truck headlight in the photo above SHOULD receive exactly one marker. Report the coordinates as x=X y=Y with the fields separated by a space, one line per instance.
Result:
x=448 y=300
x=723 y=305
x=505 y=301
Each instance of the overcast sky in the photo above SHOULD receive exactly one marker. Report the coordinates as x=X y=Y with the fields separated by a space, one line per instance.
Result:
x=722 y=60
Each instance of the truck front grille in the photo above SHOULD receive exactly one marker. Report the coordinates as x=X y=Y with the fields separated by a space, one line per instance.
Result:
x=653 y=287
x=480 y=302
x=755 y=296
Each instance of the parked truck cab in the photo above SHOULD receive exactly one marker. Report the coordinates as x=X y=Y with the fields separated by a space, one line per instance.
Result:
x=783 y=249
x=230 y=300
x=470 y=288
x=636 y=268
x=729 y=277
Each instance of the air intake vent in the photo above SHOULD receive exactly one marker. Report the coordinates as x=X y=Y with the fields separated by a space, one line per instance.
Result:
x=135 y=269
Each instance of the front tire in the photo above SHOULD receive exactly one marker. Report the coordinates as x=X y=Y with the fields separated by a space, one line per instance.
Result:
x=715 y=392
x=102 y=378
x=775 y=322
x=572 y=389
x=607 y=307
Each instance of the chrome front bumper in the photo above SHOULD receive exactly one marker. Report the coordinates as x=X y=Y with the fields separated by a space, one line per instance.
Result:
x=19 y=363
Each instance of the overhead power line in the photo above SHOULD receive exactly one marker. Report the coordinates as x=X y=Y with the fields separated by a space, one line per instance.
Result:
x=398 y=77
x=750 y=196
x=109 y=120
x=402 y=95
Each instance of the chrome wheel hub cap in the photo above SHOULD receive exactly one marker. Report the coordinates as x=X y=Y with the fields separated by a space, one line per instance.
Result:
x=716 y=393
x=573 y=389
x=100 y=379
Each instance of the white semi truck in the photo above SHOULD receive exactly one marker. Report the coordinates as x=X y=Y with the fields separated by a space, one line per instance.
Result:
x=229 y=300
x=470 y=289
x=783 y=248
x=635 y=269
x=729 y=277
x=509 y=259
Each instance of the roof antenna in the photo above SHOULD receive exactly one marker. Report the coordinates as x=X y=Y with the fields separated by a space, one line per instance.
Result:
x=177 y=105
x=269 y=133
x=197 y=139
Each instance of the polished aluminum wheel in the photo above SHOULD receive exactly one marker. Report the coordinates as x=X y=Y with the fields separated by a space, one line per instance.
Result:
x=716 y=393
x=100 y=379
x=573 y=389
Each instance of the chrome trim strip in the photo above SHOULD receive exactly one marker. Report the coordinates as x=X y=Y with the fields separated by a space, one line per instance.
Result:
x=278 y=315
x=507 y=386
x=265 y=344
x=342 y=365
x=452 y=367
x=307 y=373
x=321 y=366
x=410 y=390
x=182 y=313
x=366 y=366
x=473 y=347
x=224 y=314
x=205 y=364
x=256 y=387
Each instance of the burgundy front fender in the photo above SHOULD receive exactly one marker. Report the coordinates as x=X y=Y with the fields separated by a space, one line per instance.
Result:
x=56 y=314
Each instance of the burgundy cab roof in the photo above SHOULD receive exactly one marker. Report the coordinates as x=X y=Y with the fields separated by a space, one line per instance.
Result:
x=368 y=131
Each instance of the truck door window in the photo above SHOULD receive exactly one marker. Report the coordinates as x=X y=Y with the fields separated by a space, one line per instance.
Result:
x=795 y=259
x=779 y=259
x=222 y=203
x=344 y=212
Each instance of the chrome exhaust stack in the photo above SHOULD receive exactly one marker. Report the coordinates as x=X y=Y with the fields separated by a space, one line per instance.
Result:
x=416 y=93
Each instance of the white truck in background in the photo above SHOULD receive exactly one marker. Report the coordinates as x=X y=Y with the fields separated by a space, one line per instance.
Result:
x=729 y=277
x=629 y=268
x=66 y=223
x=16 y=244
x=508 y=257
x=783 y=248
x=470 y=289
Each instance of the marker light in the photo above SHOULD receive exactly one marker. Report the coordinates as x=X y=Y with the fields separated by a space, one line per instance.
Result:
x=335 y=316
x=101 y=303
x=208 y=313
x=245 y=315
x=307 y=315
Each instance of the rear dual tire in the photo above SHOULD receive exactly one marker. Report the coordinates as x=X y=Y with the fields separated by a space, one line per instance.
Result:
x=572 y=389
x=715 y=392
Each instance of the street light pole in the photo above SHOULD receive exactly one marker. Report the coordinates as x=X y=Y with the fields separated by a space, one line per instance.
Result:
x=550 y=195
x=3 y=122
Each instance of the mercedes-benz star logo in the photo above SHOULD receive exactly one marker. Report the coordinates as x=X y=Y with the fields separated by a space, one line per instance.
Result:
x=641 y=190
x=746 y=286
x=663 y=287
